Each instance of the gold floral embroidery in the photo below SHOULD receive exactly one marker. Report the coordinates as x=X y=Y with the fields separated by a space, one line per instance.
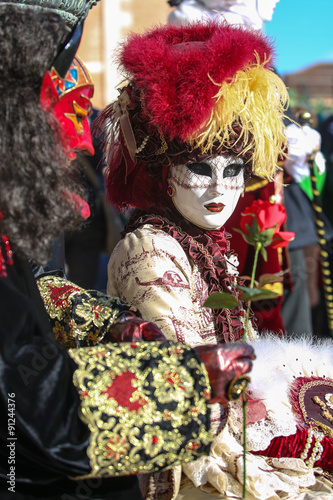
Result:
x=79 y=317
x=145 y=404
x=62 y=336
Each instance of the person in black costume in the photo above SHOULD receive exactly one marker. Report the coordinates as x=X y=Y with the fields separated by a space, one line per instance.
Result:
x=82 y=412
x=88 y=247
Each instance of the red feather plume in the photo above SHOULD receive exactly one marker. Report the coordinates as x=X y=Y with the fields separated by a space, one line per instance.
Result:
x=178 y=80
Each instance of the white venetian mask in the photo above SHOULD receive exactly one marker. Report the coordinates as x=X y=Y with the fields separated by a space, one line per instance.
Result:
x=207 y=193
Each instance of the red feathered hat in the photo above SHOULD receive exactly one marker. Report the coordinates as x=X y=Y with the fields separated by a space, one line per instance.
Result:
x=194 y=91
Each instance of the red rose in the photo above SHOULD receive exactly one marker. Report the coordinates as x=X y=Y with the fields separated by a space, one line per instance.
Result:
x=267 y=215
x=261 y=222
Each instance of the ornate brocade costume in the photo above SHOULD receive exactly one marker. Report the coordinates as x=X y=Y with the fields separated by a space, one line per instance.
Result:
x=168 y=272
x=170 y=292
x=80 y=318
x=139 y=407
x=193 y=100
x=93 y=427
x=151 y=269
x=286 y=377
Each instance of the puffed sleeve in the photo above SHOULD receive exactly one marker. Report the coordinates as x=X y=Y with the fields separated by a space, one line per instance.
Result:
x=79 y=317
x=150 y=270
x=145 y=405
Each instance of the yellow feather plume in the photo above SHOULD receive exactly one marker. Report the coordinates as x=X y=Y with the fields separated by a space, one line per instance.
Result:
x=256 y=98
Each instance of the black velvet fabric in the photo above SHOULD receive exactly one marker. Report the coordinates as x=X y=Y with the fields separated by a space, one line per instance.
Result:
x=51 y=440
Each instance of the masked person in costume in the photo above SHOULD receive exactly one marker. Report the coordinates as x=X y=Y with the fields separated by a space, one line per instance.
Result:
x=251 y=13
x=80 y=410
x=200 y=111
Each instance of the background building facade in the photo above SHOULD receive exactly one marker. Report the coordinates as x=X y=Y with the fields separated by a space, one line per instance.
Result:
x=107 y=24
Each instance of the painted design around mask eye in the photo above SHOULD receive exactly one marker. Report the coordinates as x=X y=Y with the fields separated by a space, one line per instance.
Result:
x=69 y=100
x=209 y=198
x=221 y=170
x=78 y=116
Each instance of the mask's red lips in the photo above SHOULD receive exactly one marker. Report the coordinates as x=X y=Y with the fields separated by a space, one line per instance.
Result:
x=215 y=207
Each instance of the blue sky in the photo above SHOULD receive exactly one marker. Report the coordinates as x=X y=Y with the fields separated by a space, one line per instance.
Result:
x=303 y=33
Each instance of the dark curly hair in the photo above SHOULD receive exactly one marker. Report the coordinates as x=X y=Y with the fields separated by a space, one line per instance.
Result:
x=34 y=174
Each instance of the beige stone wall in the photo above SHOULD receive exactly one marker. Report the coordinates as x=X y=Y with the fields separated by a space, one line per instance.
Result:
x=147 y=13
x=91 y=51
x=107 y=23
